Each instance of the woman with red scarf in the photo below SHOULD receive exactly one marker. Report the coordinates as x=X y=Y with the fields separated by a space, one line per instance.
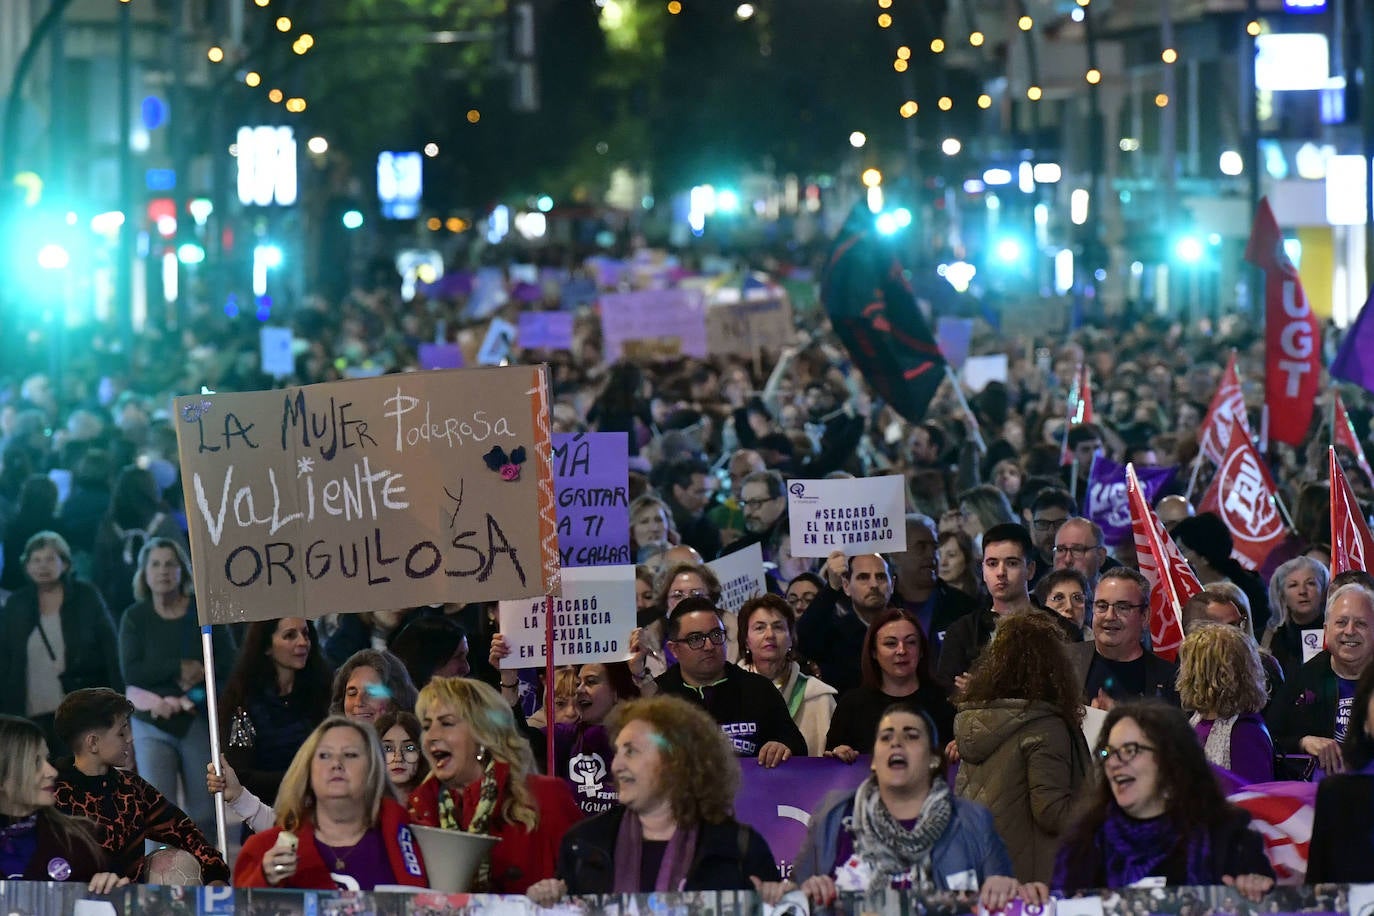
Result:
x=482 y=780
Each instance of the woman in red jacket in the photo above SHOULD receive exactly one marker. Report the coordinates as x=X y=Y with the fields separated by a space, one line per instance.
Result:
x=483 y=780
x=337 y=823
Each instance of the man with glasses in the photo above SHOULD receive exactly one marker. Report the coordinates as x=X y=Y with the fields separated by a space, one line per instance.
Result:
x=1078 y=545
x=1050 y=509
x=727 y=513
x=750 y=710
x=763 y=500
x=1115 y=667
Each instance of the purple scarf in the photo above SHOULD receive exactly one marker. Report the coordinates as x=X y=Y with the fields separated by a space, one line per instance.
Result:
x=629 y=851
x=1133 y=849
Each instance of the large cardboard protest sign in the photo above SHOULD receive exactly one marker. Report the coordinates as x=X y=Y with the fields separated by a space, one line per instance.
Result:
x=749 y=327
x=667 y=321
x=591 y=480
x=592 y=620
x=372 y=494
x=858 y=515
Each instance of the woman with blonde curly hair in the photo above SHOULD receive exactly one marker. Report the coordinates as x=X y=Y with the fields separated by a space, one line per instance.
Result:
x=676 y=830
x=1020 y=740
x=1221 y=680
x=482 y=780
x=338 y=822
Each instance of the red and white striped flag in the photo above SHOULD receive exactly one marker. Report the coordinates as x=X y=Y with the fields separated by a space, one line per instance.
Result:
x=1343 y=434
x=1243 y=494
x=1227 y=404
x=1352 y=547
x=1282 y=813
x=1171 y=578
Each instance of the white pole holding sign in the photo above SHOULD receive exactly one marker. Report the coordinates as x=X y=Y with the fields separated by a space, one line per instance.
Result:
x=857 y=515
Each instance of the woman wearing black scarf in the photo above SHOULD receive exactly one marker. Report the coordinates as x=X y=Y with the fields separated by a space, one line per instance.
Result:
x=1158 y=813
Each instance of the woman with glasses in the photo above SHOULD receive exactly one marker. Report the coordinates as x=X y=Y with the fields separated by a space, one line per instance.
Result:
x=903 y=828
x=406 y=767
x=768 y=637
x=895 y=666
x=1067 y=593
x=802 y=590
x=1020 y=738
x=1220 y=679
x=1158 y=813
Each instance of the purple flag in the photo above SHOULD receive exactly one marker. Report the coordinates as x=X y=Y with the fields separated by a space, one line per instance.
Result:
x=778 y=802
x=1107 y=502
x=1354 y=360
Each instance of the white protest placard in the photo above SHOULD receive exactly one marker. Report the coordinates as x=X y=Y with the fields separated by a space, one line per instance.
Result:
x=277 y=357
x=857 y=515
x=741 y=577
x=591 y=621
x=979 y=370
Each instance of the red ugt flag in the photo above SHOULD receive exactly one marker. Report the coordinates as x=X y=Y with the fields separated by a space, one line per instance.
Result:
x=1244 y=495
x=1343 y=434
x=1171 y=578
x=1292 y=338
x=1351 y=544
x=1227 y=404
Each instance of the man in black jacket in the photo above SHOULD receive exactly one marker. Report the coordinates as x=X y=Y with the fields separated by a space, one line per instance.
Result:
x=1115 y=667
x=750 y=710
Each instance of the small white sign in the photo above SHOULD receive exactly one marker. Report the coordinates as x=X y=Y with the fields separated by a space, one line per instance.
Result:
x=741 y=577
x=979 y=370
x=858 y=515
x=591 y=621
x=277 y=357
x=1313 y=641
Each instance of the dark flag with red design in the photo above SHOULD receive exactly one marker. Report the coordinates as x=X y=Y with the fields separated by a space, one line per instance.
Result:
x=874 y=312
x=1244 y=496
x=1352 y=547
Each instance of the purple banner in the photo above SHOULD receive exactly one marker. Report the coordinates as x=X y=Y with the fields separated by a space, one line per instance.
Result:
x=664 y=322
x=440 y=356
x=591 y=479
x=1107 y=503
x=954 y=336
x=546 y=330
x=577 y=291
x=778 y=802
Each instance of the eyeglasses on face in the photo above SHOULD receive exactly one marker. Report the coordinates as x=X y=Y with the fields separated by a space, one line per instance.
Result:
x=697 y=640
x=1048 y=524
x=409 y=752
x=1119 y=608
x=1126 y=753
x=1076 y=550
x=678 y=594
x=757 y=503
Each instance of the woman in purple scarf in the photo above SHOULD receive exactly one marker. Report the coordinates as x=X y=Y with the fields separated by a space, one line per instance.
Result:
x=1158 y=815
x=675 y=830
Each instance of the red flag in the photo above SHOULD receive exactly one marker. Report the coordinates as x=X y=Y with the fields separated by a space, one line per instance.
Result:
x=1171 y=578
x=1292 y=337
x=1343 y=434
x=1244 y=495
x=1227 y=403
x=1352 y=547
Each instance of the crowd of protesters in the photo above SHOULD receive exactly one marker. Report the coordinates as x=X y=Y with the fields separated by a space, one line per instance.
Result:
x=979 y=650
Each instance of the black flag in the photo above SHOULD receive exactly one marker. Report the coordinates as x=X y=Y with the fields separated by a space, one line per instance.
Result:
x=873 y=310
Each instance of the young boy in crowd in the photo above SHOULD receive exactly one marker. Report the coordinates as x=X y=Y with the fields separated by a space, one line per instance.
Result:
x=93 y=725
